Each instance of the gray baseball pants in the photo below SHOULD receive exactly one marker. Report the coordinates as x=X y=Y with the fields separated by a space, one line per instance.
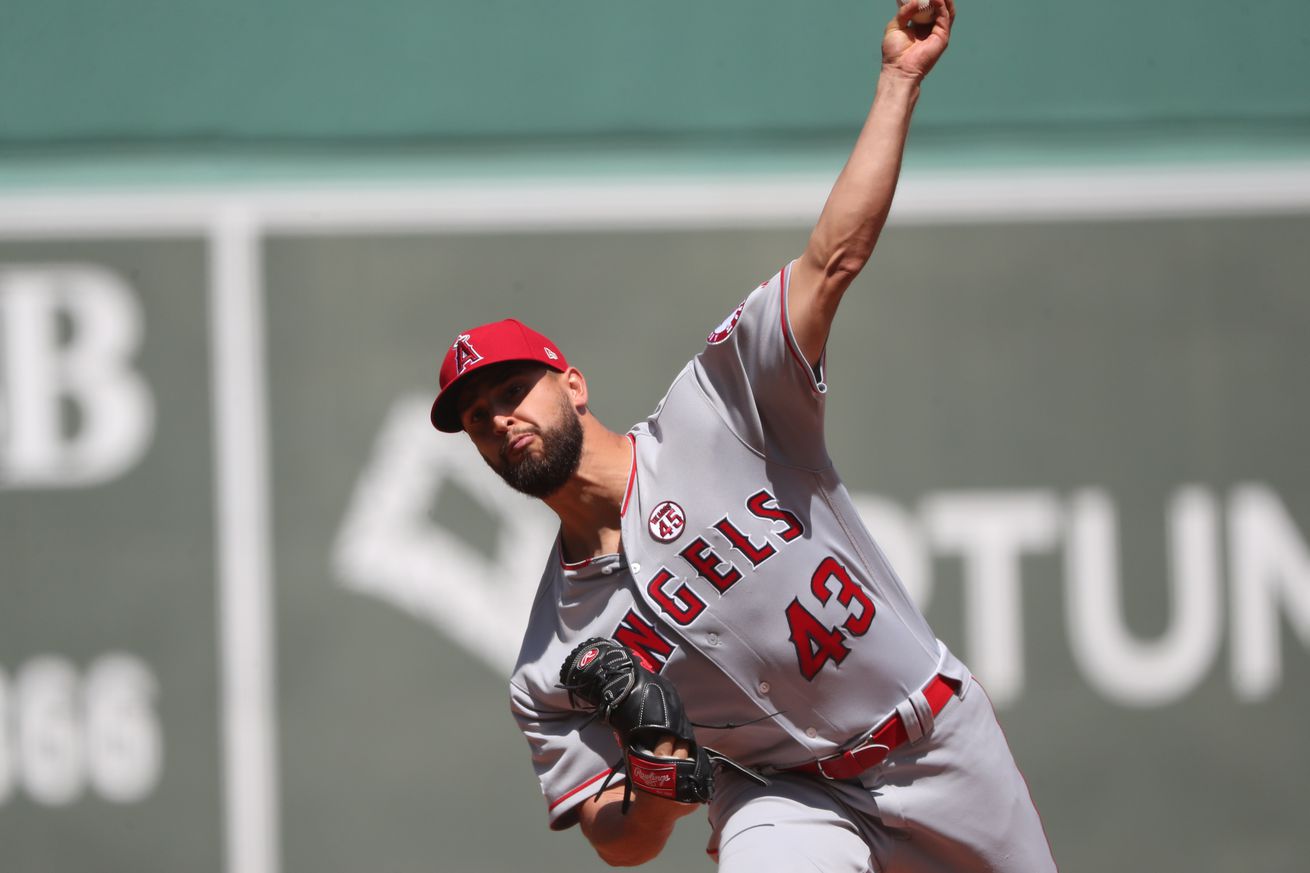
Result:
x=953 y=802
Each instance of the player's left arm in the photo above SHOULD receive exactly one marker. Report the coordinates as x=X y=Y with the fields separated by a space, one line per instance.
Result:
x=630 y=833
x=857 y=208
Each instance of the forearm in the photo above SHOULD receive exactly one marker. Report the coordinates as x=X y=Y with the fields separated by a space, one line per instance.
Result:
x=635 y=838
x=856 y=210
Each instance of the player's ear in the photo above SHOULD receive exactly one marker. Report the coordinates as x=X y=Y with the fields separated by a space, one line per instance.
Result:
x=575 y=385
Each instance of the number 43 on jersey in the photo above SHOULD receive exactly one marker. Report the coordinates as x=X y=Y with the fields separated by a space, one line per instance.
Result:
x=815 y=642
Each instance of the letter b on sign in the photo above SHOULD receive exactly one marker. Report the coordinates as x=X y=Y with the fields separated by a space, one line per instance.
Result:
x=73 y=410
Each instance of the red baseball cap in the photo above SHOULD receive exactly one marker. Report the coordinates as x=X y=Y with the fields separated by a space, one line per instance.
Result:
x=494 y=343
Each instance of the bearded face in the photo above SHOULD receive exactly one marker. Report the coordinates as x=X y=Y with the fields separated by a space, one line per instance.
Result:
x=542 y=472
x=524 y=424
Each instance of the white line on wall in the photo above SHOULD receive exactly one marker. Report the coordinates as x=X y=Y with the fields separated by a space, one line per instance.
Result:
x=245 y=625
x=656 y=201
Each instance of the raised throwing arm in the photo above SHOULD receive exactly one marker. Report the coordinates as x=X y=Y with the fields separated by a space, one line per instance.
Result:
x=853 y=217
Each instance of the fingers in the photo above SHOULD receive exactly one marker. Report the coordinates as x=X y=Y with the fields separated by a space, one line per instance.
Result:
x=672 y=747
x=941 y=25
x=945 y=12
x=906 y=13
x=944 y=15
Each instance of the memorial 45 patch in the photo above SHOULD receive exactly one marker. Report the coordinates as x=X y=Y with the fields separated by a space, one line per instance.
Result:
x=720 y=333
x=667 y=521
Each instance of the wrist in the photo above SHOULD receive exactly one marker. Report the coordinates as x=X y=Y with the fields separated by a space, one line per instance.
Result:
x=658 y=810
x=896 y=79
x=897 y=92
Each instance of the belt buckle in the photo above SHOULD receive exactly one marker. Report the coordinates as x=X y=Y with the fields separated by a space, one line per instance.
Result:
x=849 y=762
x=839 y=758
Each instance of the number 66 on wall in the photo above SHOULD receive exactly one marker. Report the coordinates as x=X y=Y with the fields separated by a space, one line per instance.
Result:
x=61 y=732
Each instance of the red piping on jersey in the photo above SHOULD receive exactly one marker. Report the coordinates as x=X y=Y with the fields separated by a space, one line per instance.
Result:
x=790 y=339
x=632 y=476
x=573 y=566
x=786 y=325
x=592 y=781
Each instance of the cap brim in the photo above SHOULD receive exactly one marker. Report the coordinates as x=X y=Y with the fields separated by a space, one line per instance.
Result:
x=444 y=415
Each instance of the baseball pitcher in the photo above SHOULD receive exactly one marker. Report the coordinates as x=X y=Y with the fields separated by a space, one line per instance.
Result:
x=715 y=627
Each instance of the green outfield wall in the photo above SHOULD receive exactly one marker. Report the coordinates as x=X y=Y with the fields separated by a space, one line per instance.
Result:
x=247 y=76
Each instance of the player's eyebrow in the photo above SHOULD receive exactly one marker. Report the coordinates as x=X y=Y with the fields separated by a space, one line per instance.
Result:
x=489 y=379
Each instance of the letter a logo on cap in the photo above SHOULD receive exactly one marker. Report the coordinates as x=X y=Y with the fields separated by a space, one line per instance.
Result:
x=465 y=355
x=498 y=342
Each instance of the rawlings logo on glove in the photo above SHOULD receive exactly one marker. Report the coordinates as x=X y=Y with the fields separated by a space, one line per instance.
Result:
x=643 y=708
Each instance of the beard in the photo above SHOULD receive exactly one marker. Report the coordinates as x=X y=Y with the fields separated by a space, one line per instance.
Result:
x=542 y=476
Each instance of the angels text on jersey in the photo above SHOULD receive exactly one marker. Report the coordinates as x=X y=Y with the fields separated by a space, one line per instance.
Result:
x=815 y=642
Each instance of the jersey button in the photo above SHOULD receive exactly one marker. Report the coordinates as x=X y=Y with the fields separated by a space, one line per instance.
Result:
x=712 y=639
x=607 y=569
x=636 y=568
x=811 y=733
x=764 y=687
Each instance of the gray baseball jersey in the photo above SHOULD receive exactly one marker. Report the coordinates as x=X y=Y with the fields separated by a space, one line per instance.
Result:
x=745 y=576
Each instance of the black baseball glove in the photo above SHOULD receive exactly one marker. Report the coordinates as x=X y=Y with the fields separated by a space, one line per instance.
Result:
x=642 y=707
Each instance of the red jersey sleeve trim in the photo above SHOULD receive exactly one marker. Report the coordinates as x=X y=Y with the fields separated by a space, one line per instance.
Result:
x=584 y=786
x=816 y=385
x=585 y=562
x=632 y=477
